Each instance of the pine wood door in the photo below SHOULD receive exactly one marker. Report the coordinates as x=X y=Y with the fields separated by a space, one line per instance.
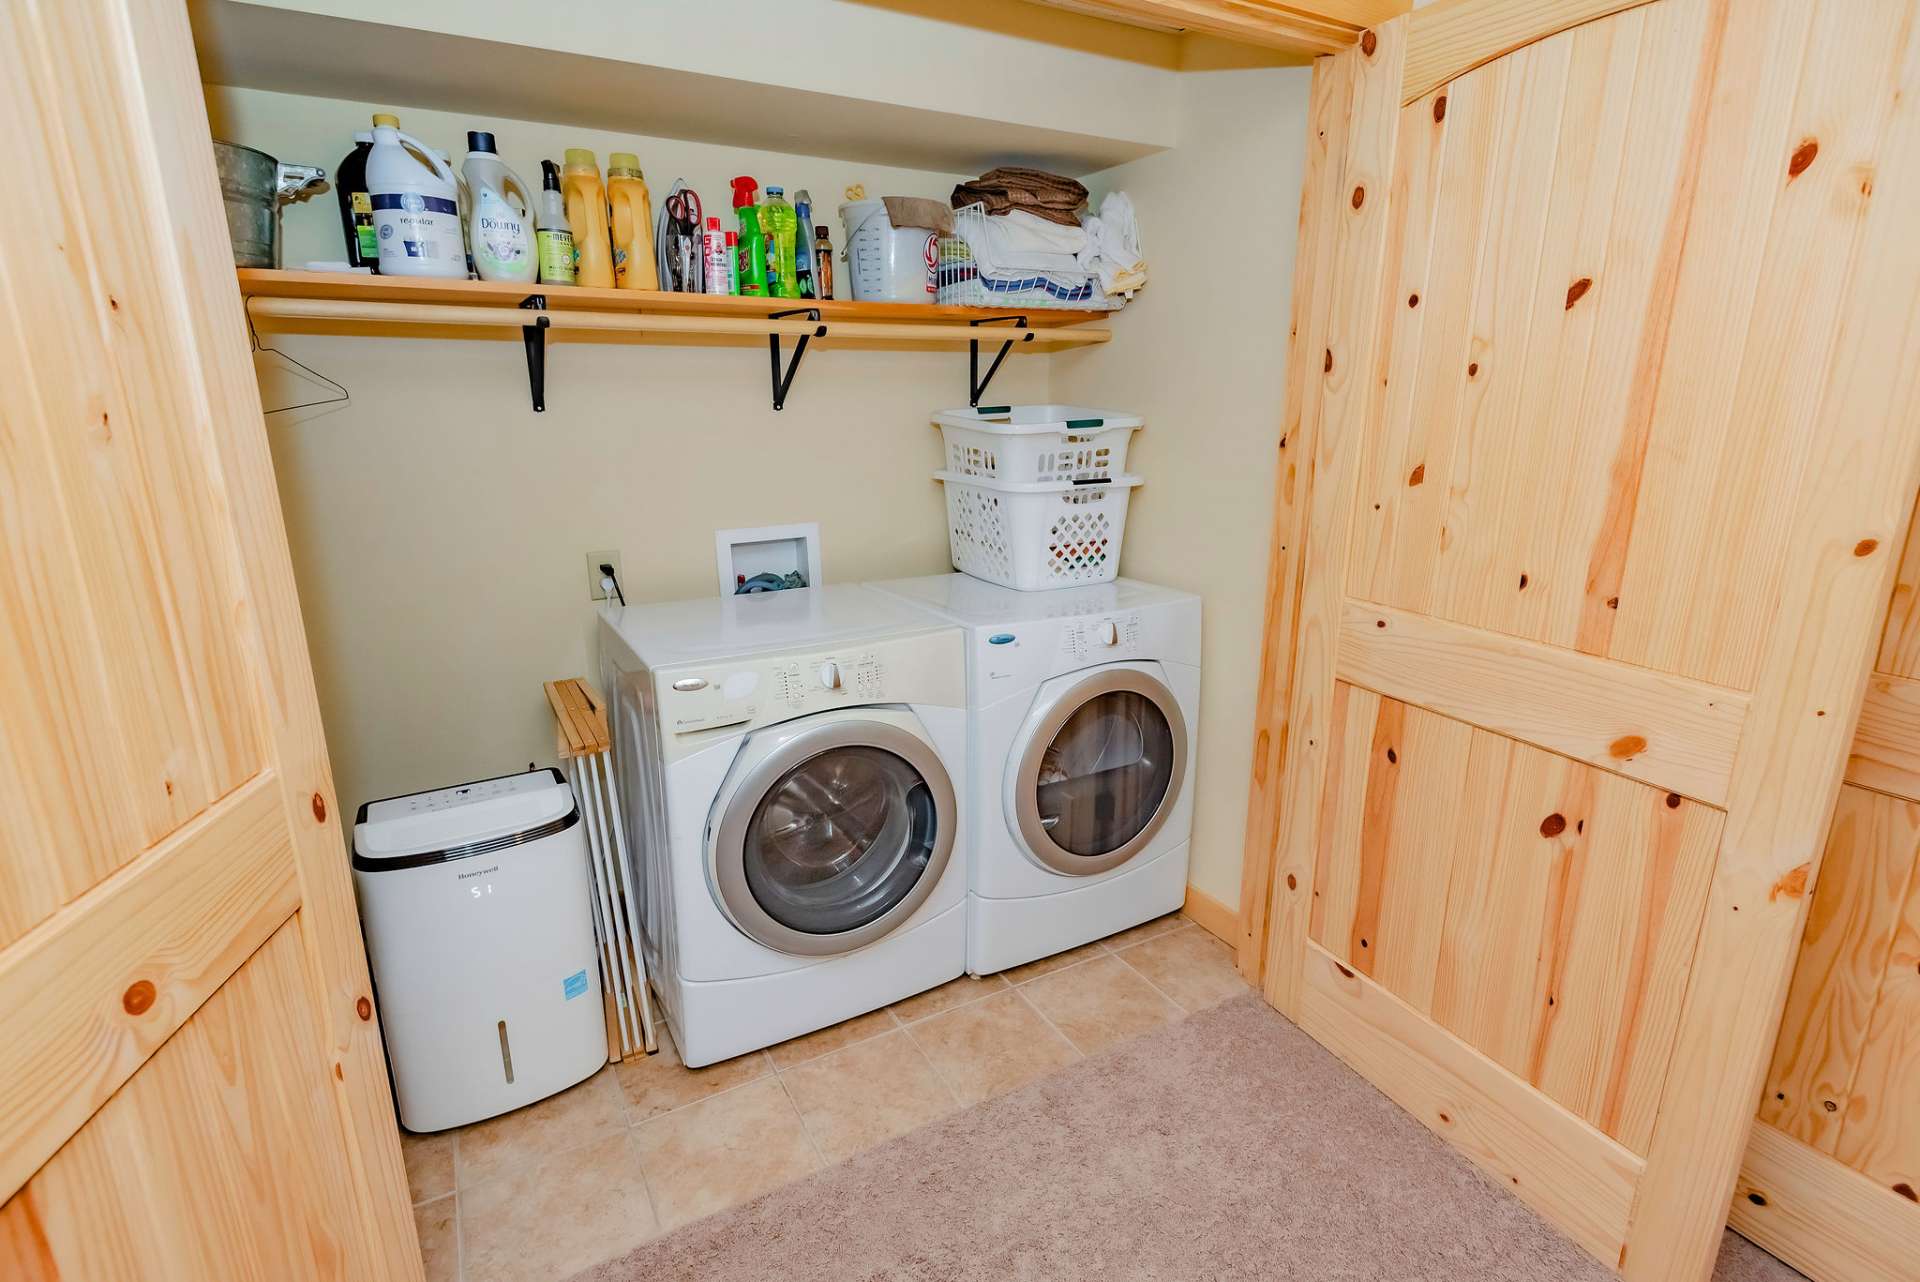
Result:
x=1608 y=419
x=1831 y=1181
x=191 y=1081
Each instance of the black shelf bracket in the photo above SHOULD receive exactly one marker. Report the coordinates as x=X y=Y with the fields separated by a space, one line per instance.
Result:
x=976 y=385
x=783 y=382
x=535 y=337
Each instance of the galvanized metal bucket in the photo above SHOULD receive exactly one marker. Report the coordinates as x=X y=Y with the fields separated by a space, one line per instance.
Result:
x=254 y=186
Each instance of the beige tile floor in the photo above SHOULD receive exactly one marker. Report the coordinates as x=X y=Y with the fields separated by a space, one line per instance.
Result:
x=647 y=1146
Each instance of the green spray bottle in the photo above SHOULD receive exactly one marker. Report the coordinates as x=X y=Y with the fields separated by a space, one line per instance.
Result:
x=753 y=245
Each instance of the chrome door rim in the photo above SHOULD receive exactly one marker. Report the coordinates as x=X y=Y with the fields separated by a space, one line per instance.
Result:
x=728 y=857
x=1026 y=780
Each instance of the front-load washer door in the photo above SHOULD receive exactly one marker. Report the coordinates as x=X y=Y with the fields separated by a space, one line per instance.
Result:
x=831 y=830
x=1097 y=768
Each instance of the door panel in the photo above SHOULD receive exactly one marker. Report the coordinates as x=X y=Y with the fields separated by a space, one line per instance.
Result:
x=218 y=1160
x=1830 y=1178
x=1612 y=440
x=192 y=1078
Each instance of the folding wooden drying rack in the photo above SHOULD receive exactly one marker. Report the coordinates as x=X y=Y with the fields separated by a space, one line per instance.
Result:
x=584 y=746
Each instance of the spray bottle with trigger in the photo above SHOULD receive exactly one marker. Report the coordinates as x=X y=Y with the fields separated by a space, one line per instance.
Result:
x=753 y=247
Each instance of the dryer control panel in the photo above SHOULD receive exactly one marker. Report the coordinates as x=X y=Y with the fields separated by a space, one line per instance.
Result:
x=1094 y=639
x=923 y=669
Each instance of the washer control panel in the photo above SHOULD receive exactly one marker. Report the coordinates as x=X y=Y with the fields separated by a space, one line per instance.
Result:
x=777 y=688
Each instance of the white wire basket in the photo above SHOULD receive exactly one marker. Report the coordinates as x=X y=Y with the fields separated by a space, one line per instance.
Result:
x=1036 y=444
x=1035 y=537
x=960 y=282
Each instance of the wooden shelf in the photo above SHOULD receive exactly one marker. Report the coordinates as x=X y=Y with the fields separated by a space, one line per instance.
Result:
x=403 y=307
x=350 y=287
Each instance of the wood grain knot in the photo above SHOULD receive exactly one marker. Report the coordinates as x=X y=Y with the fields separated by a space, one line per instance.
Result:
x=319 y=808
x=1673 y=801
x=1578 y=290
x=1413 y=300
x=1906 y=1190
x=1802 y=157
x=1523 y=583
x=168 y=784
x=1393 y=758
x=1865 y=547
x=1613 y=603
x=1553 y=825
x=1830 y=1106
x=1627 y=745
x=1326 y=363
x=1416 y=476
x=339 y=1074
x=363 y=1008
x=1368 y=43
x=1445 y=1119
x=1379 y=623
x=1293 y=882
x=1343 y=970
x=1439 y=109
x=1792 y=886
x=1473 y=367
x=138 y=999
x=1359 y=197
x=1756 y=1199
x=113 y=302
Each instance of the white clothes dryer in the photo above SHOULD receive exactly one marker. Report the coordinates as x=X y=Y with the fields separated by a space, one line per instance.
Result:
x=789 y=767
x=1084 y=714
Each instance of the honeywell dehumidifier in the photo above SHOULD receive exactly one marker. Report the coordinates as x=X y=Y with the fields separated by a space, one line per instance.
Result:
x=474 y=901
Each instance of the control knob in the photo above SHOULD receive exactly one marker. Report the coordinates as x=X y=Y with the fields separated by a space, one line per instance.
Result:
x=829 y=675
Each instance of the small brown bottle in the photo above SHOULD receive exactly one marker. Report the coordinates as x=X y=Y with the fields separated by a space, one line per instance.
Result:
x=822 y=264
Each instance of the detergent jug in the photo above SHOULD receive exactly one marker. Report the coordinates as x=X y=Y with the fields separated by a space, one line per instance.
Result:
x=416 y=205
x=635 y=266
x=500 y=218
x=587 y=216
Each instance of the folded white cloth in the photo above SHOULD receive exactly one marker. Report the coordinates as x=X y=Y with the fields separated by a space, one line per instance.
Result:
x=1019 y=244
x=1112 y=250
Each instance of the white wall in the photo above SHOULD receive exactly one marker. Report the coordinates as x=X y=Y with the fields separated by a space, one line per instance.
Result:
x=1202 y=354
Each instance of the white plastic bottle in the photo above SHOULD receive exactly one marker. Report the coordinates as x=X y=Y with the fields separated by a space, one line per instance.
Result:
x=714 y=254
x=500 y=217
x=416 y=206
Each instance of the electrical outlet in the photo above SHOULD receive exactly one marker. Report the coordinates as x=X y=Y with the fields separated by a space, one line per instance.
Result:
x=594 y=561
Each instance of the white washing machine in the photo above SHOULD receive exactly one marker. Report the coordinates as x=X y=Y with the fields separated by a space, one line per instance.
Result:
x=790 y=766
x=1085 y=712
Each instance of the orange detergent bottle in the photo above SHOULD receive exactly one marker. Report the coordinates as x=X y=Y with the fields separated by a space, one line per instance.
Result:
x=635 y=265
x=587 y=214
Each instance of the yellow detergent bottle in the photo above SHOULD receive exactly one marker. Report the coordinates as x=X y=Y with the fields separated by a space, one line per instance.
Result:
x=635 y=265
x=587 y=215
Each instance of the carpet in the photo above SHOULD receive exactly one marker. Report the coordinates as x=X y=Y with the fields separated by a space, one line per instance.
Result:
x=1228 y=1145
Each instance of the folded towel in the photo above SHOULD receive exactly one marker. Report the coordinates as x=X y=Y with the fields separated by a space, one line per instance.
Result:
x=1053 y=197
x=1112 y=250
x=1020 y=243
x=918 y=211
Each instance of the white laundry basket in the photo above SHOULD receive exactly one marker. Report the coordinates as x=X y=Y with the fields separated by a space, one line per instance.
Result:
x=1033 y=537
x=1031 y=444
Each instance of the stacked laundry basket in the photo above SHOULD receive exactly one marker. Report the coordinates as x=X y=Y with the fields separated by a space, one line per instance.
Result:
x=1036 y=494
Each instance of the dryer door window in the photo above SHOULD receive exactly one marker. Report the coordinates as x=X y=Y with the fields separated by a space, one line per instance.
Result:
x=1101 y=772
x=836 y=838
